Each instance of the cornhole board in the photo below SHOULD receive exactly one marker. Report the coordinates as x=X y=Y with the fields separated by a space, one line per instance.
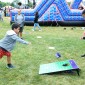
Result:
x=59 y=67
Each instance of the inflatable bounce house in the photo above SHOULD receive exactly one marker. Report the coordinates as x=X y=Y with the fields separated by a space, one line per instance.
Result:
x=53 y=12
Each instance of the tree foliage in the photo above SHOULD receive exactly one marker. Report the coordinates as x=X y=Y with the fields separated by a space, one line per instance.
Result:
x=2 y=4
x=29 y=4
x=15 y=3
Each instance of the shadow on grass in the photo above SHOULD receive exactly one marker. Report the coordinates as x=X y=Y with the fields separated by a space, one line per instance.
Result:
x=70 y=73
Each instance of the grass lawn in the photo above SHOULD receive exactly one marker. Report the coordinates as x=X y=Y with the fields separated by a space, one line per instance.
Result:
x=27 y=58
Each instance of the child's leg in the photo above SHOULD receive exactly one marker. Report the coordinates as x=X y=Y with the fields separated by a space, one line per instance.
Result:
x=2 y=18
x=9 y=65
x=8 y=54
x=34 y=26
x=8 y=60
x=20 y=32
x=38 y=26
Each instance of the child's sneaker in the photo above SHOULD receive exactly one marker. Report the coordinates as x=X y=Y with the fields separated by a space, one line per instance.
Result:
x=40 y=30
x=10 y=66
x=83 y=55
x=33 y=30
x=21 y=38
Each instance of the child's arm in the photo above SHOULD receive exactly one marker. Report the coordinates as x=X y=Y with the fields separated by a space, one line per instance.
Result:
x=15 y=37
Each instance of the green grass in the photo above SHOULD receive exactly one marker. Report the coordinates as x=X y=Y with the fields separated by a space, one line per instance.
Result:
x=27 y=58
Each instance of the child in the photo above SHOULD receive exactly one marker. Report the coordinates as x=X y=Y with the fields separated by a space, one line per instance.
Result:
x=36 y=22
x=8 y=42
x=83 y=14
x=1 y=14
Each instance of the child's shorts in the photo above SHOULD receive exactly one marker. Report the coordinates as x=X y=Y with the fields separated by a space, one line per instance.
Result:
x=3 y=52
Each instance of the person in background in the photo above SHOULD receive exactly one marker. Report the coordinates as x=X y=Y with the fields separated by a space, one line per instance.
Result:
x=83 y=15
x=83 y=37
x=1 y=14
x=83 y=4
x=20 y=6
x=19 y=19
x=5 y=12
x=36 y=24
x=8 y=42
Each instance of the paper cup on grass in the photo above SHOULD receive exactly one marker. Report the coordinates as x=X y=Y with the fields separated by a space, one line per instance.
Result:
x=52 y=48
x=39 y=37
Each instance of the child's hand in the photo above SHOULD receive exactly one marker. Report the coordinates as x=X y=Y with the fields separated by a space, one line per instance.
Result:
x=29 y=43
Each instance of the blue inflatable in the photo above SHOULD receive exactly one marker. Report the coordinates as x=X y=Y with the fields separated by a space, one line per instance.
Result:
x=75 y=4
x=52 y=12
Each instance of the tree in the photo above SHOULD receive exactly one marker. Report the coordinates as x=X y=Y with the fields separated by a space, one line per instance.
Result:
x=2 y=4
x=34 y=3
x=15 y=3
x=12 y=4
x=29 y=3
